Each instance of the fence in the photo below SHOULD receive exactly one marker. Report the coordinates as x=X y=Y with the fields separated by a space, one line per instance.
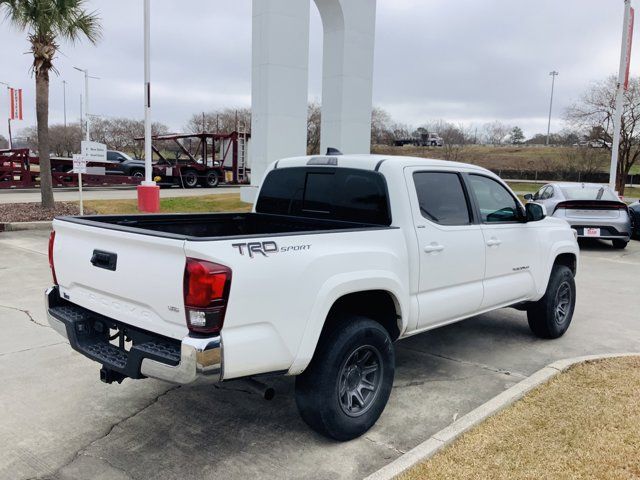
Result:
x=559 y=175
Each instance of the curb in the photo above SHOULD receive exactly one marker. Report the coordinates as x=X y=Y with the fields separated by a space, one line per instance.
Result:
x=444 y=437
x=18 y=226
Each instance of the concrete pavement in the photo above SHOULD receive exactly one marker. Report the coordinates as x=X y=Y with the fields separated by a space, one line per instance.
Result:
x=71 y=195
x=59 y=421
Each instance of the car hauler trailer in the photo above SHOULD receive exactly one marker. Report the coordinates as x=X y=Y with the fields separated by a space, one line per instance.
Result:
x=204 y=158
x=207 y=158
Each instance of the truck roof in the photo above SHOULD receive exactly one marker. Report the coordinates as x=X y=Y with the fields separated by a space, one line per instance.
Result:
x=370 y=162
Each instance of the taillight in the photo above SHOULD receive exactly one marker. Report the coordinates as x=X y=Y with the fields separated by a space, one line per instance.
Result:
x=206 y=291
x=52 y=239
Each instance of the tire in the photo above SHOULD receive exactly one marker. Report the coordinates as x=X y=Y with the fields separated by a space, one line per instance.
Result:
x=355 y=344
x=189 y=179
x=619 y=244
x=551 y=316
x=137 y=173
x=211 y=180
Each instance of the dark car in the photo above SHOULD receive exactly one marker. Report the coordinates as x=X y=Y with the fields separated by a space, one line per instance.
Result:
x=119 y=163
x=634 y=210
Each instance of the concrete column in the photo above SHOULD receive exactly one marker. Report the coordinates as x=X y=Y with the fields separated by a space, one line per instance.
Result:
x=279 y=84
x=347 y=73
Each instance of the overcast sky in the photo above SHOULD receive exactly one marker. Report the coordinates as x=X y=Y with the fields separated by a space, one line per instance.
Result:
x=466 y=61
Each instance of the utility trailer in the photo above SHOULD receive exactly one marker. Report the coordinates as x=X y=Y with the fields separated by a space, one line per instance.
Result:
x=18 y=169
x=214 y=159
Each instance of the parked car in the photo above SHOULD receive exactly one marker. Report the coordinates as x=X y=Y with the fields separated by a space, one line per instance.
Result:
x=634 y=210
x=119 y=163
x=340 y=257
x=593 y=210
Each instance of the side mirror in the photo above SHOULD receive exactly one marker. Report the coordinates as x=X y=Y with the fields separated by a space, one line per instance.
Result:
x=528 y=197
x=535 y=212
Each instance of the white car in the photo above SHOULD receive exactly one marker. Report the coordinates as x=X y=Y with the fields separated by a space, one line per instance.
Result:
x=340 y=257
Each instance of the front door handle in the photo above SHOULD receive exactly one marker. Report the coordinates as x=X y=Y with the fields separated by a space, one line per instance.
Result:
x=493 y=242
x=433 y=247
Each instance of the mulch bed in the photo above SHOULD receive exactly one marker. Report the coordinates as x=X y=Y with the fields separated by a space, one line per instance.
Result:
x=33 y=212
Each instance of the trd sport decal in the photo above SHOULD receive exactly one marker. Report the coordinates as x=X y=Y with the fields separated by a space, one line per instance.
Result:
x=265 y=248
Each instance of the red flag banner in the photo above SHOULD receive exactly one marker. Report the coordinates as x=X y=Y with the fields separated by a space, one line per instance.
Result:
x=15 y=95
x=629 y=43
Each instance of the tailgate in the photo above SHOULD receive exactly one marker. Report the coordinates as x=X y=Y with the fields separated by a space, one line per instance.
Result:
x=134 y=278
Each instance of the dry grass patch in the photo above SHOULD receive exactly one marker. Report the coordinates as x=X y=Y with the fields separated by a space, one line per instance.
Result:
x=585 y=423
x=201 y=204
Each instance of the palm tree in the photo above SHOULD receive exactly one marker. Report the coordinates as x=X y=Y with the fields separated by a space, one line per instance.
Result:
x=46 y=21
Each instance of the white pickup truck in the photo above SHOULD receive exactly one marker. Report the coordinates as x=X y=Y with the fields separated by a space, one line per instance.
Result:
x=340 y=257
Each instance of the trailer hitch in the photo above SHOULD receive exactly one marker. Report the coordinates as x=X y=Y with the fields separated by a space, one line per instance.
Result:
x=109 y=376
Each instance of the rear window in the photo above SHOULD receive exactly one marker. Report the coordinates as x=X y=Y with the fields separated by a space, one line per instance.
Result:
x=344 y=194
x=589 y=193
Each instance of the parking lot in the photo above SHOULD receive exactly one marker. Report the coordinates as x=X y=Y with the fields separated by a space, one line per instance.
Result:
x=60 y=421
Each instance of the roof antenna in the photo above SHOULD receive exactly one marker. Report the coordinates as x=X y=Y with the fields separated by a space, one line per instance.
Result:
x=333 y=151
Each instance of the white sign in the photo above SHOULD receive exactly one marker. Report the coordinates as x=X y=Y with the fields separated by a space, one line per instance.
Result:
x=94 y=151
x=79 y=164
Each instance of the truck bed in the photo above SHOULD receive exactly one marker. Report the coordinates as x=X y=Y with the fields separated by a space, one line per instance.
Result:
x=211 y=226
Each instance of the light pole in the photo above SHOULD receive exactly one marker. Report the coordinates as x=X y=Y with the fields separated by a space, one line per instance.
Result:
x=86 y=99
x=64 y=102
x=148 y=191
x=8 y=116
x=622 y=86
x=553 y=74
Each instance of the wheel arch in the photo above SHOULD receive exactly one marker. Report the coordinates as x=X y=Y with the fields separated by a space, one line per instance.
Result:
x=336 y=302
x=380 y=306
x=567 y=259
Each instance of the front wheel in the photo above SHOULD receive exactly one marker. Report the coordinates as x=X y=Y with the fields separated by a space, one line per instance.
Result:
x=551 y=316
x=344 y=390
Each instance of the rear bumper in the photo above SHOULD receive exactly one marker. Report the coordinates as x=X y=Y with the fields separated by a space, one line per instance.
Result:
x=607 y=232
x=150 y=354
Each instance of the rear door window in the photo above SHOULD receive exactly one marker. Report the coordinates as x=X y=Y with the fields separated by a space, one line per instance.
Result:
x=442 y=198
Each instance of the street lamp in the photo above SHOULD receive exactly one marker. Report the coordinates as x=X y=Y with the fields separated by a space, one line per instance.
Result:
x=86 y=97
x=64 y=102
x=148 y=191
x=8 y=116
x=553 y=75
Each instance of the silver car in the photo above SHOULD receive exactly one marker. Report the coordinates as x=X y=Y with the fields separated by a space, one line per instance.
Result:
x=593 y=210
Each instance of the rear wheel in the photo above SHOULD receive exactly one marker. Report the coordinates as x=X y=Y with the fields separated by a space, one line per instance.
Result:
x=189 y=179
x=211 y=180
x=344 y=390
x=551 y=316
x=137 y=173
x=619 y=244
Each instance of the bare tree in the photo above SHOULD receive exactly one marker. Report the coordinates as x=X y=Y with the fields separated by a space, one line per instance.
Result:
x=223 y=120
x=313 y=128
x=381 y=133
x=496 y=132
x=594 y=114
x=121 y=133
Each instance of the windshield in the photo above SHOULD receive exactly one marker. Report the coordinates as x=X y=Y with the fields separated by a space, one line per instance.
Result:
x=590 y=192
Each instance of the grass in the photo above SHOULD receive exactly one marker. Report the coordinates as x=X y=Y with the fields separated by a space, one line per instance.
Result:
x=582 y=424
x=204 y=203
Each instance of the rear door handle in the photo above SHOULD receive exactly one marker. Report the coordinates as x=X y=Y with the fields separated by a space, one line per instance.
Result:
x=493 y=242
x=433 y=247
